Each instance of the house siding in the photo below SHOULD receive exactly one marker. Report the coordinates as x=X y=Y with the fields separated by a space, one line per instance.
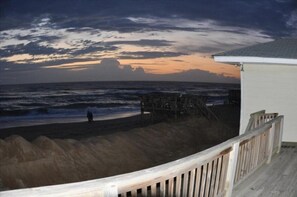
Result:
x=272 y=88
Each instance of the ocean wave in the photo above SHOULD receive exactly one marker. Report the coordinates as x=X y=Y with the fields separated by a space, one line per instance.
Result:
x=85 y=105
x=66 y=109
x=6 y=98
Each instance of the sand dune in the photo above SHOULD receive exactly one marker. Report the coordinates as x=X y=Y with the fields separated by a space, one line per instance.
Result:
x=46 y=161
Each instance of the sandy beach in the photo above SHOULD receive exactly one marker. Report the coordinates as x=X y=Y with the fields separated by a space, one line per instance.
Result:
x=78 y=130
x=62 y=153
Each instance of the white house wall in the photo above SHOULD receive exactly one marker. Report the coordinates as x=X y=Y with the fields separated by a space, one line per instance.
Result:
x=272 y=88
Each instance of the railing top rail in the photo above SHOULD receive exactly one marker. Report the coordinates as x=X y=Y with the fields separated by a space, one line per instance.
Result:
x=98 y=186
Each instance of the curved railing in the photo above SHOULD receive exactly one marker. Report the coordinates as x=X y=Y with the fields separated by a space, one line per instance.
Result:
x=212 y=172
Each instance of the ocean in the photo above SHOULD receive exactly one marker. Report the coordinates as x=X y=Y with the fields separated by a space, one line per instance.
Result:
x=33 y=104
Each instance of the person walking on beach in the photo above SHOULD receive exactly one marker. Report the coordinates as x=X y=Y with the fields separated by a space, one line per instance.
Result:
x=90 y=116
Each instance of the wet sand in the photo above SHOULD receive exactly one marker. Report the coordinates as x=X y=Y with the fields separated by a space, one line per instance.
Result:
x=63 y=153
x=78 y=130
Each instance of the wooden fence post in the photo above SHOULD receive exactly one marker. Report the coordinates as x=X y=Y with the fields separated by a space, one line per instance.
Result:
x=231 y=169
x=280 y=134
x=270 y=142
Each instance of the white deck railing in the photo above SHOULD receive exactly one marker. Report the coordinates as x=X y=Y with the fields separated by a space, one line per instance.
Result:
x=212 y=172
x=259 y=118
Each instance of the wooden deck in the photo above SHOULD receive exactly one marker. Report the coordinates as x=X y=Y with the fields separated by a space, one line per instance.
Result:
x=279 y=178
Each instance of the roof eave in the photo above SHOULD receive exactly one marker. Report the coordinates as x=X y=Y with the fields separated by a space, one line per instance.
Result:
x=249 y=59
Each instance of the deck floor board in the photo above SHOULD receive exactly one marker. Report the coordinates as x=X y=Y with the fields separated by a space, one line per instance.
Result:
x=279 y=178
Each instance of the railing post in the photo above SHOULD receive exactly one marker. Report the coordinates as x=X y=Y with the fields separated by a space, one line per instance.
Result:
x=250 y=125
x=280 y=134
x=111 y=190
x=231 y=169
x=270 y=142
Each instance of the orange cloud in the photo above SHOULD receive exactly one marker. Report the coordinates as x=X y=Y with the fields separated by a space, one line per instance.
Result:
x=182 y=63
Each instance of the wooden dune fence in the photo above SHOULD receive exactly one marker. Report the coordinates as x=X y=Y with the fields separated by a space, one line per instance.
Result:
x=212 y=172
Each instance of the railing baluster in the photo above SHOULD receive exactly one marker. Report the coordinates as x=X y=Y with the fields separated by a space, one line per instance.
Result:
x=252 y=150
x=170 y=186
x=213 y=177
x=144 y=191
x=261 y=149
x=134 y=193
x=223 y=173
x=243 y=160
x=209 y=174
x=231 y=169
x=198 y=181
x=257 y=150
x=192 y=182
x=154 y=190
x=247 y=156
x=216 y=188
x=162 y=189
x=203 y=179
x=178 y=185
x=237 y=166
x=270 y=142
x=185 y=183
x=280 y=135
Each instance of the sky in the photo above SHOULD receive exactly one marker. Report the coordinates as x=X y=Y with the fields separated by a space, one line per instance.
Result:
x=133 y=40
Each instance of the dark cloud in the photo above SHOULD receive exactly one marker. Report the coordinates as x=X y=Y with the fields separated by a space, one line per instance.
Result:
x=12 y=67
x=149 y=54
x=91 y=46
x=35 y=48
x=107 y=23
x=212 y=48
x=143 y=42
x=32 y=48
x=83 y=47
x=269 y=15
x=92 y=49
x=202 y=49
x=179 y=60
x=38 y=38
x=108 y=70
